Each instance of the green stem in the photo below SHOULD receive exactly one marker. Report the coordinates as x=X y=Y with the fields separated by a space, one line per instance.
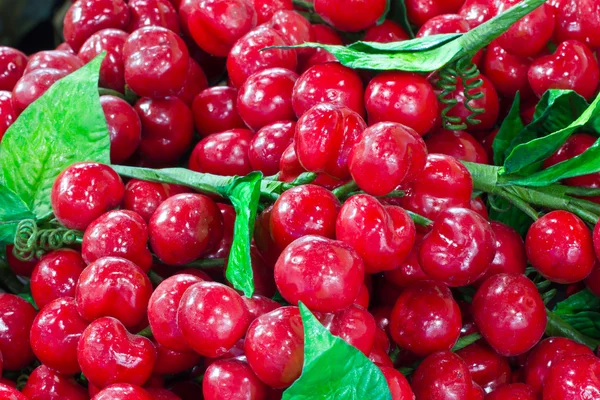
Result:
x=517 y=202
x=419 y=219
x=341 y=192
x=466 y=341
x=109 y=92
x=302 y=179
x=155 y=278
x=557 y=327
x=304 y=4
x=206 y=263
x=146 y=332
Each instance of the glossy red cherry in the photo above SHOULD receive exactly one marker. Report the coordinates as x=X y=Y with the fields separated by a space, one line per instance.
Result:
x=17 y=266
x=258 y=305
x=156 y=62
x=559 y=245
x=458 y=144
x=355 y=325
x=409 y=272
x=268 y=144
x=222 y=249
x=8 y=114
x=31 y=86
x=574 y=377
x=195 y=82
x=53 y=59
x=11 y=393
x=350 y=15
x=16 y=318
x=488 y=369
x=510 y=252
x=122 y=391
x=421 y=11
x=263 y=239
x=507 y=72
x=572 y=66
x=294 y=28
x=459 y=248
x=86 y=17
x=173 y=362
x=12 y=66
x=489 y=103
x=246 y=57
x=275 y=346
x=513 y=391
x=475 y=12
x=215 y=110
x=445 y=23
x=324 y=274
x=397 y=383
x=85 y=191
x=232 y=379
x=323 y=34
x=324 y=138
x=153 y=13
x=330 y=83
x=509 y=313
x=579 y=20
x=144 y=197
x=265 y=8
x=114 y=287
x=386 y=32
x=224 y=153
x=46 y=384
x=124 y=126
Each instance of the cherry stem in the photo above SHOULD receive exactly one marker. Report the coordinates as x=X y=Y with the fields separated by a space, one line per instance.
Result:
x=155 y=278
x=557 y=327
x=146 y=332
x=206 y=263
x=304 y=4
x=109 y=92
x=341 y=192
x=419 y=219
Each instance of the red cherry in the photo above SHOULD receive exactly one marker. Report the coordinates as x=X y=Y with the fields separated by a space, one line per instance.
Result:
x=122 y=391
x=573 y=377
x=144 y=197
x=215 y=110
x=268 y=144
x=222 y=249
x=350 y=15
x=8 y=115
x=513 y=391
x=442 y=376
x=489 y=103
x=12 y=66
x=421 y=11
x=46 y=384
x=458 y=144
x=510 y=252
x=397 y=383
x=324 y=34
x=195 y=82
x=153 y=13
x=294 y=28
x=386 y=32
x=53 y=59
x=173 y=362
x=124 y=127
x=488 y=369
x=224 y=153
x=259 y=305
x=161 y=394
x=10 y=393
x=232 y=379
x=31 y=86
x=577 y=19
x=355 y=325
x=507 y=72
x=16 y=318
x=445 y=23
x=19 y=267
x=475 y=12
x=409 y=272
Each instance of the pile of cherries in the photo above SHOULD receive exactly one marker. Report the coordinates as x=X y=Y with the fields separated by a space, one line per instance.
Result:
x=388 y=287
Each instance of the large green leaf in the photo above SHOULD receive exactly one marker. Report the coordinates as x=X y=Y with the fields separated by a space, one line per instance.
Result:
x=65 y=125
x=510 y=128
x=333 y=369
x=580 y=301
x=12 y=210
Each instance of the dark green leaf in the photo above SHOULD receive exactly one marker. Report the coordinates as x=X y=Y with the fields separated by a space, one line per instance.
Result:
x=586 y=322
x=333 y=369
x=397 y=13
x=8 y=279
x=580 y=301
x=65 y=125
x=511 y=126
x=511 y=216
x=466 y=341
x=244 y=194
x=556 y=326
x=12 y=211
x=29 y=298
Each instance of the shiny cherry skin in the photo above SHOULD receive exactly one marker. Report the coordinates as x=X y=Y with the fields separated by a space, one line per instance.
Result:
x=397 y=383
x=445 y=182
x=266 y=97
x=382 y=235
x=31 y=86
x=268 y=144
x=510 y=313
x=546 y=355
x=331 y=83
x=445 y=23
x=123 y=391
x=144 y=197
x=304 y=210
x=475 y=12
x=488 y=369
x=294 y=28
x=409 y=272
x=571 y=67
x=222 y=249
x=161 y=394
x=442 y=376
x=350 y=15
x=173 y=362
x=118 y=233
x=513 y=391
x=86 y=17
x=112 y=69
x=265 y=8
x=355 y=325
x=55 y=333
x=274 y=346
x=263 y=239
x=216 y=25
x=232 y=379
x=510 y=252
x=156 y=62
x=17 y=266
x=324 y=138
x=458 y=144
x=324 y=34
x=579 y=20
x=53 y=59
x=324 y=274
x=185 y=226
x=108 y=354
x=246 y=57
x=46 y=384
x=16 y=318
x=8 y=114
x=402 y=97
x=153 y=13
x=56 y=275
x=386 y=32
x=215 y=110
x=459 y=247
x=124 y=126
x=559 y=245
x=11 y=393
x=421 y=11
x=195 y=82
x=115 y=287
x=575 y=145
x=12 y=66
x=224 y=315
x=167 y=129
x=162 y=311
x=489 y=102
x=258 y=305
x=425 y=319
x=507 y=72
x=224 y=153
x=574 y=377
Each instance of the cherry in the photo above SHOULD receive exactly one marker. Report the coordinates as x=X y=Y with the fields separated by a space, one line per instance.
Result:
x=303 y=210
x=458 y=144
x=46 y=384
x=380 y=358
x=10 y=393
x=122 y=391
x=324 y=274
x=350 y=15
x=459 y=247
x=31 y=86
x=215 y=110
x=173 y=362
x=56 y=275
x=161 y=394
x=489 y=102
x=425 y=319
x=363 y=297
x=323 y=34
x=475 y=12
x=507 y=72
x=119 y=233
x=153 y=13
x=224 y=315
x=445 y=182
x=275 y=346
x=572 y=66
x=86 y=17
x=144 y=197
x=53 y=59
x=513 y=391
x=232 y=379
x=112 y=73
x=291 y=168
x=247 y=56
x=488 y=369
x=397 y=383
x=510 y=313
x=382 y=235
x=19 y=267
x=510 y=252
x=195 y=82
x=8 y=114
x=258 y=305
x=268 y=145
x=294 y=28
x=573 y=377
x=115 y=287
x=222 y=249
x=55 y=333
x=83 y=192
x=266 y=97
x=559 y=245
x=330 y=82
x=263 y=239
x=354 y=325
x=224 y=153
x=16 y=318
x=577 y=20
x=124 y=126
x=409 y=272
x=156 y=62
x=445 y=23
x=12 y=67
x=324 y=138
x=386 y=32
x=421 y=11
x=167 y=129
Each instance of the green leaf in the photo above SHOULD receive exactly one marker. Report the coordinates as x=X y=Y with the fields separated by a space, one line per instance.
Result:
x=12 y=211
x=586 y=322
x=466 y=341
x=511 y=216
x=397 y=13
x=511 y=126
x=557 y=116
x=244 y=194
x=333 y=369
x=65 y=125
x=557 y=326
x=405 y=46
x=580 y=301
